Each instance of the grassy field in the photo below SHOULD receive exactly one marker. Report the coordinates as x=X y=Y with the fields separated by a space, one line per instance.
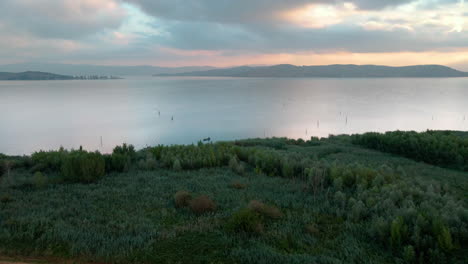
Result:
x=252 y=201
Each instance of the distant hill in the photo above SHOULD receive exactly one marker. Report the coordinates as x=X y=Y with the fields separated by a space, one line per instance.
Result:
x=84 y=69
x=33 y=75
x=330 y=71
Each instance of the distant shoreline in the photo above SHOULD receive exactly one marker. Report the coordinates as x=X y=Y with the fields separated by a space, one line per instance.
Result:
x=329 y=71
x=46 y=76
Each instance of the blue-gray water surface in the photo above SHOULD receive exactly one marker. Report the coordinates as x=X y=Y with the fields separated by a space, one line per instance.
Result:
x=98 y=115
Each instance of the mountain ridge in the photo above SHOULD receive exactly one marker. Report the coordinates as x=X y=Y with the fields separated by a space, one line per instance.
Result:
x=330 y=71
x=88 y=69
x=32 y=76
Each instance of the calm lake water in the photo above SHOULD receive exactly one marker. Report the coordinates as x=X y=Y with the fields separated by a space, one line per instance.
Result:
x=37 y=115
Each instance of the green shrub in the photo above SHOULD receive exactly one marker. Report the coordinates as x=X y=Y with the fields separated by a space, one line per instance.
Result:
x=39 y=180
x=48 y=161
x=176 y=165
x=148 y=163
x=441 y=148
x=312 y=229
x=442 y=233
x=236 y=166
x=245 y=220
x=82 y=166
x=121 y=158
x=409 y=255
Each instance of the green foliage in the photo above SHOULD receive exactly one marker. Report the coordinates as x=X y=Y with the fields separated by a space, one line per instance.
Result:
x=148 y=163
x=236 y=166
x=82 y=166
x=238 y=185
x=441 y=148
x=340 y=203
x=409 y=254
x=397 y=232
x=48 y=161
x=193 y=157
x=121 y=158
x=245 y=220
x=444 y=238
x=176 y=165
x=40 y=180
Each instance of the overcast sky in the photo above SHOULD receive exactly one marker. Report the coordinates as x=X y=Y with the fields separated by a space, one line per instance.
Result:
x=234 y=32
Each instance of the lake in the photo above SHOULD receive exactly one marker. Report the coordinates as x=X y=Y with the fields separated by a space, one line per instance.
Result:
x=144 y=111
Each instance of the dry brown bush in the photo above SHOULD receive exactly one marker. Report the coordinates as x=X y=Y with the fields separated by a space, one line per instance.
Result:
x=265 y=210
x=182 y=198
x=202 y=204
x=238 y=185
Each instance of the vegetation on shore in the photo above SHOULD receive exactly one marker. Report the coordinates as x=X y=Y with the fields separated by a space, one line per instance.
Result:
x=40 y=76
x=251 y=201
x=440 y=148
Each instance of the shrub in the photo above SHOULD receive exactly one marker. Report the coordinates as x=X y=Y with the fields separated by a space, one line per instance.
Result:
x=238 y=185
x=234 y=165
x=441 y=148
x=176 y=165
x=121 y=158
x=50 y=161
x=202 y=204
x=82 y=166
x=265 y=210
x=245 y=220
x=409 y=254
x=6 y=198
x=39 y=180
x=397 y=232
x=357 y=211
x=444 y=238
x=182 y=198
x=312 y=229
x=149 y=163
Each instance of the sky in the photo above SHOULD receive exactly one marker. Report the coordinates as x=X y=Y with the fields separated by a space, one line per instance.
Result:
x=226 y=33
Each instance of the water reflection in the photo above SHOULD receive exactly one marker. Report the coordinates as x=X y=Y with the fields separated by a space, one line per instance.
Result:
x=147 y=111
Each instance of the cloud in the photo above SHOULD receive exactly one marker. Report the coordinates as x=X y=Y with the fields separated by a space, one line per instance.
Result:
x=161 y=31
x=241 y=11
x=65 y=19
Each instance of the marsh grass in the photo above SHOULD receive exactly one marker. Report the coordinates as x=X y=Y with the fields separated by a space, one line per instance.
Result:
x=305 y=203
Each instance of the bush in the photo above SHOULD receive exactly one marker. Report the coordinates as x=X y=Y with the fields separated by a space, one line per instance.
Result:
x=6 y=198
x=182 y=198
x=82 y=166
x=236 y=166
x=245 y=220
x=265 y=210
x=176 y=165
x=238 y=185
x=202 y=204
x=440 y=148
x=149 y=163
x=39 y=180
x=312 y=229
x=444 y=238
x=121 y=158
x=408 y=254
